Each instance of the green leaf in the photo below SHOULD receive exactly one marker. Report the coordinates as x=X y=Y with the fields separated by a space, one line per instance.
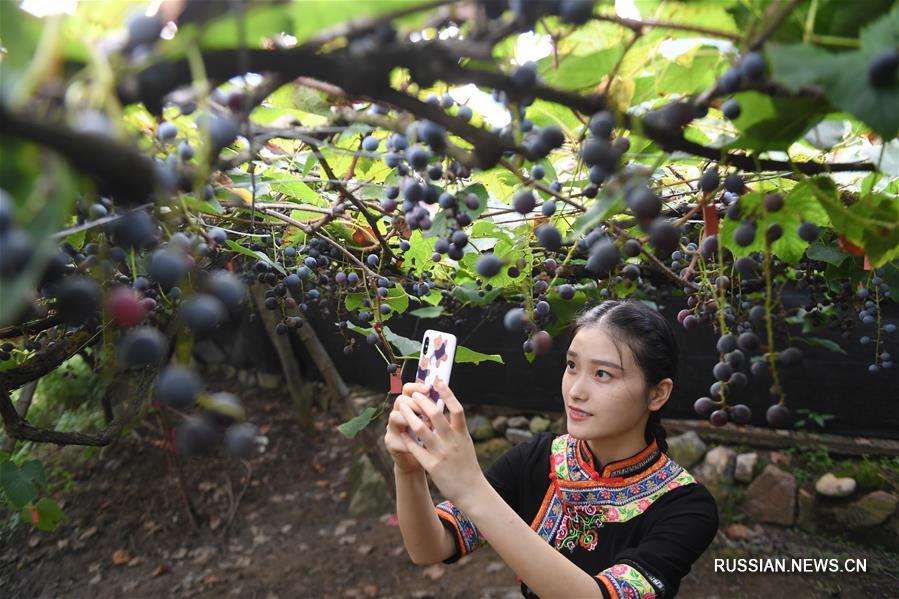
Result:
x=17 y=485
x=469 y=292
x=768 y=123
x=543 y=113
x=861 y=222
x=253 y=254
x=607 y=205
x=351 y=427
x=428 y=312
x=76 y=239
x=20 y=32
x=799 y=204
x=578 y=72
x=297 y=190
x=404 y=345
x=34 y=470
x=260 y=23
x=670 y=77
x=845 y=19
x=48 y=514
x=397 y=298
x=418 y=257
x=311 y=16
x=797 y=66
x=826 y=253
x=465 y=355
x=501 y=184
x=211 y=403
x=844 y=76
x=825 y=343
x=207 y=207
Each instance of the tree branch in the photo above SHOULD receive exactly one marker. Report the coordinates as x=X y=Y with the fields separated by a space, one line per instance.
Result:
x=359 y=205
x=34 y=326
x=134 y=388
x=671 y=139
x=121 y=169
x=636 y=25
x=46 y=361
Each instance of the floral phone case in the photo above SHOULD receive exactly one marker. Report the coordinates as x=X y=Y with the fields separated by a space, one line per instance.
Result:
x=435 y=363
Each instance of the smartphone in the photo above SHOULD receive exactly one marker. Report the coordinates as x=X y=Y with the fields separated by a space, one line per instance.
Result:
x=435 y=362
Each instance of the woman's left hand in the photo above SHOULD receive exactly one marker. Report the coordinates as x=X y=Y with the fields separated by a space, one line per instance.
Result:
x=448 y=454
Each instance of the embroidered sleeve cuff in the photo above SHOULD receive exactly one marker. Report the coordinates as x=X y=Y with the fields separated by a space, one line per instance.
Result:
x=465 y=532
x=628 y=579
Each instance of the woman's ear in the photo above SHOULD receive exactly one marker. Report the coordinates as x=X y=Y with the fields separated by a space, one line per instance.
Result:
x=659 y=395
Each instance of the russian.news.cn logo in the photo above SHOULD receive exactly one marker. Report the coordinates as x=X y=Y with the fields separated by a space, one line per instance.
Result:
x=804 y=565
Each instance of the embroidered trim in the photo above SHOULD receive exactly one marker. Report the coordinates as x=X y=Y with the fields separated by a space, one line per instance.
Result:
x=626 y=467
x=655 y=581
x=621 y=580
x=578 y=503
x=468 y=538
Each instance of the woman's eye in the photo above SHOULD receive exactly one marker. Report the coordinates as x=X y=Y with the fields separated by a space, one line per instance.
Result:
x=570 y=365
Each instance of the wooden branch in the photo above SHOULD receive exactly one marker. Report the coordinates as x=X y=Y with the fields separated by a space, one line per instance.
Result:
x=121 y=169
x=26 y=395
x=135 y=388
x=637 y=25
x=654 y=125
x=772 y=26
x=355 y=201
x=34 y=326
x=46 y=360
x=778 y=438
x=289 y=364
x=369 y=439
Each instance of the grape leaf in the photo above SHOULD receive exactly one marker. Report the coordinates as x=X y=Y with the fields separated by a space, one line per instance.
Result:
x=465 y=355
x=427 y=312
x=404 y=345
x=799 y=204
x=18 y=485
x=578 y=72
x=767 y=123
x=844 y=76
x=253 y=254
x=826 y=253
x=825 y=343
x=48 y=514
x=351 y=427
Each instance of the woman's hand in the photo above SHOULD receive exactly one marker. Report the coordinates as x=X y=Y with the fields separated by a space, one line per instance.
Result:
x=397 y=426
x=448 y=454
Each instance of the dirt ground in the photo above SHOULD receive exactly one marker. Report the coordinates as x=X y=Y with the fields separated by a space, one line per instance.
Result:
x=127 y=534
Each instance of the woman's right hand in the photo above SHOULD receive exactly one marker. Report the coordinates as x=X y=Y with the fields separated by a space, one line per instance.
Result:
x=397 y=425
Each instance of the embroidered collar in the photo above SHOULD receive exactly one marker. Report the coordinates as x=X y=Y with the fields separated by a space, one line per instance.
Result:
x=627 y=467
x=580 y=501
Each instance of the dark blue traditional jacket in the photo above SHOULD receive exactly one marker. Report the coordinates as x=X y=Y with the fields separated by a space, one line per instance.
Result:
x=636 y=527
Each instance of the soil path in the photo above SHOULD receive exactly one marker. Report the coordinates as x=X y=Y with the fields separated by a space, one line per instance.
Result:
x=291 y=534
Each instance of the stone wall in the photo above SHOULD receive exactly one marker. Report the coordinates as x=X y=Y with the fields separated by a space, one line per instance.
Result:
x=752 y=486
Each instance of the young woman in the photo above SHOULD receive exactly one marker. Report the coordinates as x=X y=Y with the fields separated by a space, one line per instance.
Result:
x=600 y=511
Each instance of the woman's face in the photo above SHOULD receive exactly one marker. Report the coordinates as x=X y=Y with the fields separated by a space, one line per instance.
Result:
x=608 y=386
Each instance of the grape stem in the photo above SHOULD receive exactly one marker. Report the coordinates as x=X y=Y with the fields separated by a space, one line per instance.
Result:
x=652 y=258
x=769 y=325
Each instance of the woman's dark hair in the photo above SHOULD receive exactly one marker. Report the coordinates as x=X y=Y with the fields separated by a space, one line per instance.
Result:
x=651 y=340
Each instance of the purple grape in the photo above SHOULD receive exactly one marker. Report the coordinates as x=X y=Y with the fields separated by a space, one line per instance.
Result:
x=704 y=406
x=718 y=418
x=741 y=414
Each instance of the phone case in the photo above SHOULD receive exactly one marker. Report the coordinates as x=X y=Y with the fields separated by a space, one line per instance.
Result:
x=435 y=363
